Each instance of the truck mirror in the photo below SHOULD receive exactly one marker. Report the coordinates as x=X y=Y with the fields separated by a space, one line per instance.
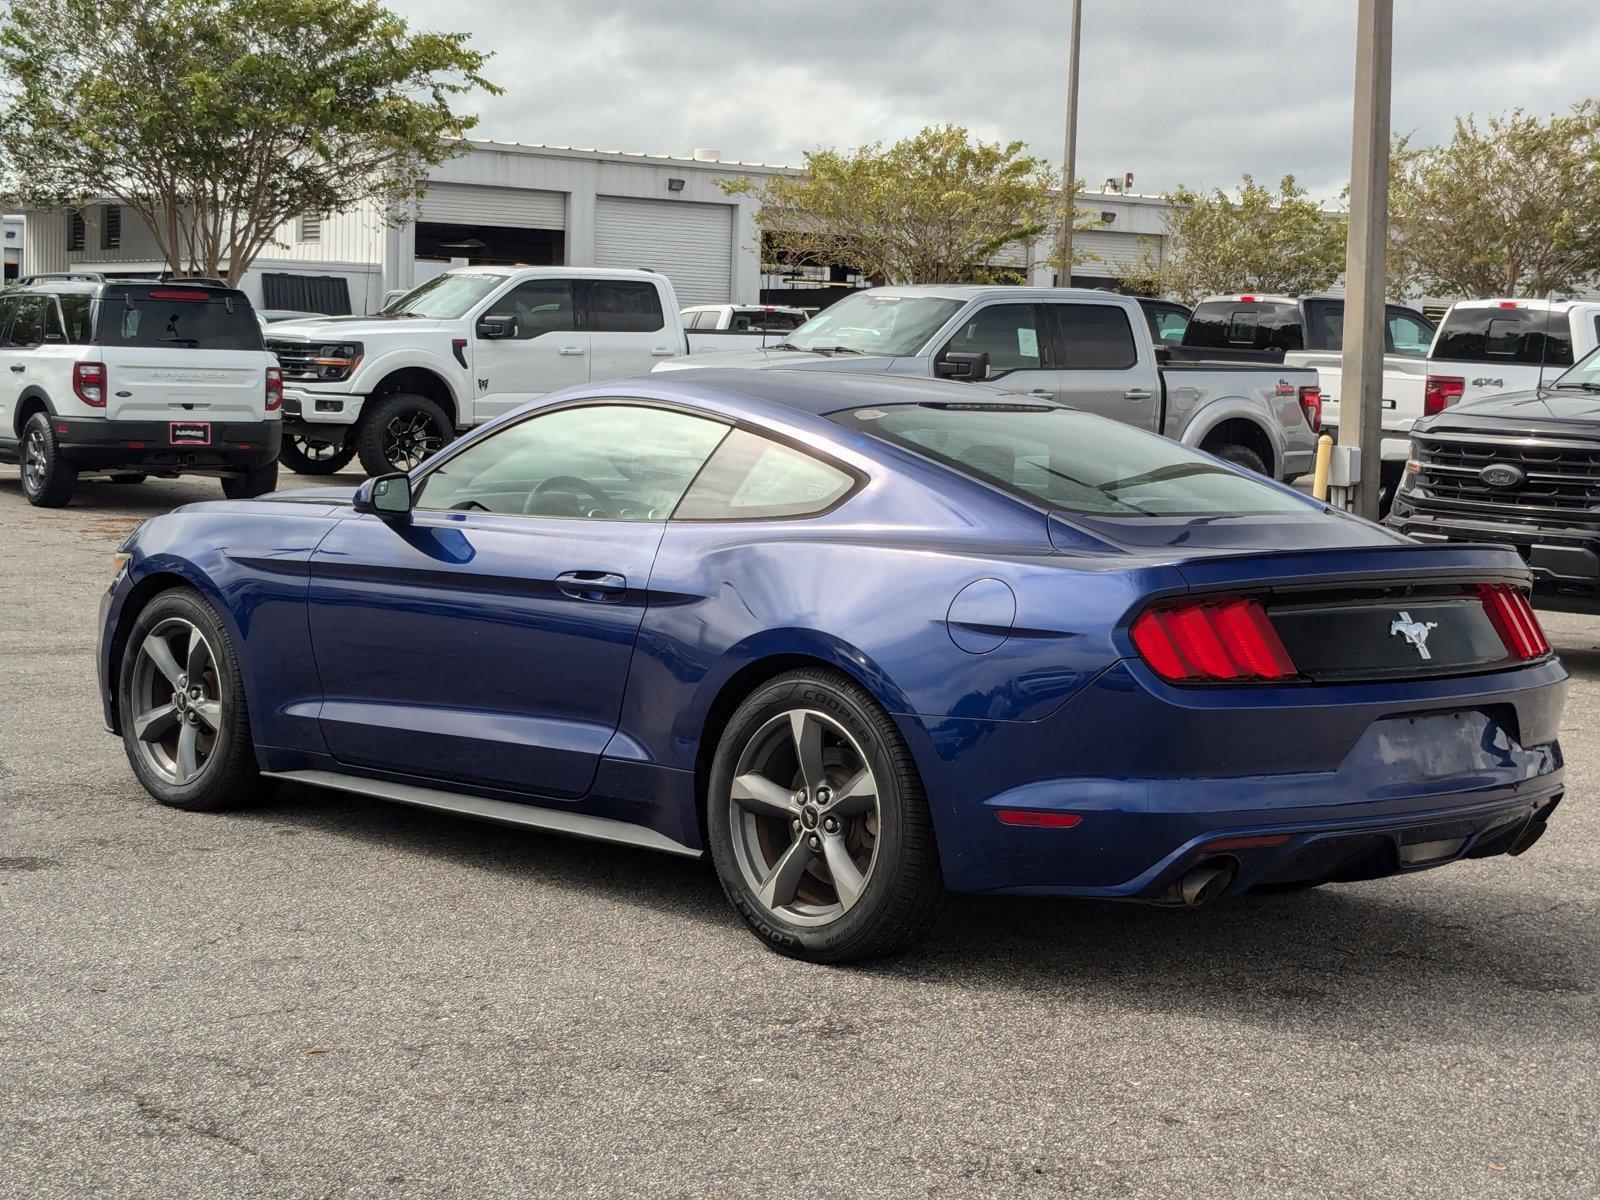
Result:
x=496 y=326
x=957 y=364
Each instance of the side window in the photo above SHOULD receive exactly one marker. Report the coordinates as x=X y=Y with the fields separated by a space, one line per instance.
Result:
x=1095 y=337
x=617 y=462
x=1167 y=325
x=1409 y=334
x=27 y=329
x=691 y=320
x=538 y=306
x=623 y=306
x=77 y=315
x=752 y=478
x=8 y=310
x=1007 y=333
x=54 y=331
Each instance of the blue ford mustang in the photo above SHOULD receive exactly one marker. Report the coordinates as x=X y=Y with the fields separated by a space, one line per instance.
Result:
x=862 y=640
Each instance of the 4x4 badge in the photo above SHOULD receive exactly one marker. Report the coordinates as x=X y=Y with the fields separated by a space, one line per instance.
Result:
x=1415 y=632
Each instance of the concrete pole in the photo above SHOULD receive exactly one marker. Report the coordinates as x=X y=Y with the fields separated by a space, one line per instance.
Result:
x=1361 y=377
x=1069 y=158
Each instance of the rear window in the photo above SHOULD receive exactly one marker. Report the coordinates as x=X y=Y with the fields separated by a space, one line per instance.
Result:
x=747 y=318
x=1505 y=335
x=1245 y=325
x=1072 y=461
x=178 y=318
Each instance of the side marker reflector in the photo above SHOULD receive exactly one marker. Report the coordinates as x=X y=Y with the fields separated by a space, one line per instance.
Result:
x=1037 y=820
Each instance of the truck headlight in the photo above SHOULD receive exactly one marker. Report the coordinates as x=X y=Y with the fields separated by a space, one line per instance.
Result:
x=337 y=360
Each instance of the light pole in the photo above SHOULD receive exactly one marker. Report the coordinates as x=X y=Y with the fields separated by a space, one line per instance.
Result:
x=1069 y=170
x=1361 y=373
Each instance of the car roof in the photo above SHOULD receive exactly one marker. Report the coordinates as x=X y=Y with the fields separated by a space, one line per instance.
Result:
x=561 y=272
x=1554 y=305
x=820 y=393
x=975 y=291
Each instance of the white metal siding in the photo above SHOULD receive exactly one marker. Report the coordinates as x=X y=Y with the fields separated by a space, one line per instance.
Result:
x=691 y=244
x=508 y=207
x=1113 y=253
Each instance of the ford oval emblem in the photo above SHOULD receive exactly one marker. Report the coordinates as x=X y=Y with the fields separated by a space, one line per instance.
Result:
x=1502 y=476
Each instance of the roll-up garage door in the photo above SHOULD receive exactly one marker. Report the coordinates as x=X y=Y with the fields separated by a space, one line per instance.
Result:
x=691 y=244
x=510 y=208
x=1114 y=253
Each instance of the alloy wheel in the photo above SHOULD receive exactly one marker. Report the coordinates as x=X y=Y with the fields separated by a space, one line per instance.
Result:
x=177 y=706
x=408 y=439
x=804 y=813
x=318 y=451
x=35 y=461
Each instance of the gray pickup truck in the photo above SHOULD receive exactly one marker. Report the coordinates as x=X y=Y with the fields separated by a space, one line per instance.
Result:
x=1088 y=349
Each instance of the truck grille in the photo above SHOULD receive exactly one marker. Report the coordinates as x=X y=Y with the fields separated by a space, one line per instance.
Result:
x=1561 y=481
x=295 y=358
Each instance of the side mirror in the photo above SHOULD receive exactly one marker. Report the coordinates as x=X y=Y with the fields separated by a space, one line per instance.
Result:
x=956 y=364
x=387 y=496
x=495 y=327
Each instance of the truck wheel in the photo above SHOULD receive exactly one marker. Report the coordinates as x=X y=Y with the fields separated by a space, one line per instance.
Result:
x=1241 y=456
x=257 y=481
x=305 y=457
x=819 y=828
x=48 y=480
x=399 y=432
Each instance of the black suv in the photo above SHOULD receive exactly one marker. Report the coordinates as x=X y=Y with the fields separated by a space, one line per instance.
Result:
x=1522 y=469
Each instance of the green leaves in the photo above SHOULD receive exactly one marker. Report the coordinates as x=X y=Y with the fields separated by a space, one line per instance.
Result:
x=217 y=121
x=1510 y=207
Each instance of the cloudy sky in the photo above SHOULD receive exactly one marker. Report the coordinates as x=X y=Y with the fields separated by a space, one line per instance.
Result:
x=1177 y=91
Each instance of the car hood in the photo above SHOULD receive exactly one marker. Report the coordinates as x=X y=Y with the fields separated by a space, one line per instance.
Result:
x=355 y=328
x=1537 y=407
x=311 y=495
x=803 y=360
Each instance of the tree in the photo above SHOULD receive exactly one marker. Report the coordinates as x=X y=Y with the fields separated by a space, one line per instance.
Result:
x=1508 y=208
x=1261 y=241
x=217 y=121
x=936 y=207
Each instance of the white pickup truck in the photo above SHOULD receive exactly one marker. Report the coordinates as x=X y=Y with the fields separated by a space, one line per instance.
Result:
x=1089 y=349
x=711 y=328
x=1486 y=347
x=1308 y=331
x=463 y=347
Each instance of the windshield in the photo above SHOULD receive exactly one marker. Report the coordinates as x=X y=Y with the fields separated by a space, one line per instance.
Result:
x=873 y=323
x=444 y=297
x=1072 y=461
x=1585 y=375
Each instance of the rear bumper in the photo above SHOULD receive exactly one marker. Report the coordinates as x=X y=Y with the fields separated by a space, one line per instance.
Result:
x=99 y=444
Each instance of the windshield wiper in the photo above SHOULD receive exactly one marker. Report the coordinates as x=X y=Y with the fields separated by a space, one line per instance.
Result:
x=837 y=350
x=1588 y=387
x=188 y=343
x=783 y=346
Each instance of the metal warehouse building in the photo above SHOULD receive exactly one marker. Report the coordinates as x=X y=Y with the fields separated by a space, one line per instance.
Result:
x=504 y=202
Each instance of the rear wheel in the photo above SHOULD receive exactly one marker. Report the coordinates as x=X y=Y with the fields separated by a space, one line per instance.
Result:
x=48 y=480
x=181 y=700
x=1241 y=456
x=819 y=828
x=399 y=431
x=305 y=457
x=257 y=481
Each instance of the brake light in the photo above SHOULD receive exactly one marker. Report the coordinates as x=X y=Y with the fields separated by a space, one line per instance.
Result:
x=175 y=294
x=274 y=388
x=1247 y=299
x=1440 y=392
x=1513 y=619
x=1311 y=405
x=89 y=383
x=1509 y=304
x=1227 y=640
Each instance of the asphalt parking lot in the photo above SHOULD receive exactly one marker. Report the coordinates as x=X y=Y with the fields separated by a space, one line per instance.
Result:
x=330 y=996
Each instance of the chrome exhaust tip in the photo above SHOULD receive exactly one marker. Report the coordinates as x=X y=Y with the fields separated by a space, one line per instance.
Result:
x=1203 y=884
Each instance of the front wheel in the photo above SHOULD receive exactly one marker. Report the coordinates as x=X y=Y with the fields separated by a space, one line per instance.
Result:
x=819 y=827
x=305 y=457
x=257 y=481
x=399 y=431
x=181 y=700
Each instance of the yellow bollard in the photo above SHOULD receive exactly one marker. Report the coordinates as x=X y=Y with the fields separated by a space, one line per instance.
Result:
x=1319 y=481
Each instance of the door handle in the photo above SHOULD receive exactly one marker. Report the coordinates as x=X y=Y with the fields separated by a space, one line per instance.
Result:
x=664 y=352
x=592 y=585
x=1045 y=392
x=572 y=350
x=18 y=368
x=1137 y=394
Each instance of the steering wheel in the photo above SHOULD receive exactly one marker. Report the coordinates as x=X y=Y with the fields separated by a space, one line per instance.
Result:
x=572 y=483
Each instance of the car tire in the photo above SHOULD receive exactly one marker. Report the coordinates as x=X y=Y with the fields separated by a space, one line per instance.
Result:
x=1241 y=456
x=196 y=754
x=399 y=431
x=313 y=458
x=780 y=846
x=48 y=480
x=257 y=481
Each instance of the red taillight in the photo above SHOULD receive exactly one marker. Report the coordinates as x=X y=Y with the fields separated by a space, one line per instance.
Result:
x=1441 y=392
x=274 y=388
x=175 y=294
x=1035 y=819
x=1311 y=405
x=1247 y=299
x=1227 y=640
x=1509 y=304
x=89 y=383
x=1513 y=619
